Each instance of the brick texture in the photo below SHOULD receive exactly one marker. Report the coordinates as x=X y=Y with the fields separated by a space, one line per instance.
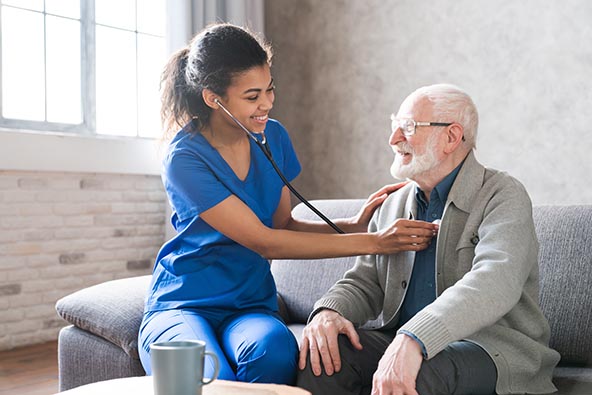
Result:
x=61 y=232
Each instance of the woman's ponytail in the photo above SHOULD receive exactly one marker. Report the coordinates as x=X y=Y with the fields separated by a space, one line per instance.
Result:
x=176 y=96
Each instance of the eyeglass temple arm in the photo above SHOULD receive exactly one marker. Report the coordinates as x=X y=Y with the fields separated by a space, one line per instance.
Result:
x=433 y=123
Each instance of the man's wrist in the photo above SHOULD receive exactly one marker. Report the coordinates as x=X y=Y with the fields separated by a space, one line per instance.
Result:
x=321 y=310
x=416 y=339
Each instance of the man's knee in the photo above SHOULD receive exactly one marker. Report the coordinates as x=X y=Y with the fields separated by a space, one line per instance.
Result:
x=461 y=368
x=342 y=379
x=434 y=377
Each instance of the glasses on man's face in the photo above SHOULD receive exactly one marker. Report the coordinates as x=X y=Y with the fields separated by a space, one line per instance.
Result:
x=408 y=126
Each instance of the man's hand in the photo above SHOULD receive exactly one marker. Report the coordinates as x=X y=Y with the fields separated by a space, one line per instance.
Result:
x=320 y=337
x=398 y=368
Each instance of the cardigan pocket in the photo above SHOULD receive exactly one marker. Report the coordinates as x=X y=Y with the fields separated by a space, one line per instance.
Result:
x=465 y=253
x=468 y=239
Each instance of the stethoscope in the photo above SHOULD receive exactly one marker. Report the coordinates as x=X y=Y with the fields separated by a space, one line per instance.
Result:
x=262 y=144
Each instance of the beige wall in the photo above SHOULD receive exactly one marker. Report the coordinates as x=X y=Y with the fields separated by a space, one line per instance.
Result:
x=342 y=67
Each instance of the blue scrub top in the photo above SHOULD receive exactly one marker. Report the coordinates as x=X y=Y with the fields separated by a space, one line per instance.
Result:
x=200 y=267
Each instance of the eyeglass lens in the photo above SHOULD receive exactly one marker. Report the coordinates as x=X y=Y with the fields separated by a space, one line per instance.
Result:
x=407 y=126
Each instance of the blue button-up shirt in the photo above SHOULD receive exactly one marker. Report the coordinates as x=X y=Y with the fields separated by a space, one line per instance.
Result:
x=422 y=288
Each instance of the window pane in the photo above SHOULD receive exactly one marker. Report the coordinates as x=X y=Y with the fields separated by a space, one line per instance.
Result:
x=151 y=59
x=151 y=17
x=69 y=8
x=36 y=5
x=63 y=70
x=116 y=82
x=117 y=13
x=23 y=87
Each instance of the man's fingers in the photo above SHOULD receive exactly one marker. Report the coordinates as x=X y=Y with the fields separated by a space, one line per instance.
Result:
x=303 y=353
x=325 y=355
x=352 y=335
x=315 y=361
x=333 y=346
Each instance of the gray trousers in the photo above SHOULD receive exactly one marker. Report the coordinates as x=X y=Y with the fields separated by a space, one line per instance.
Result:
x=462 y=368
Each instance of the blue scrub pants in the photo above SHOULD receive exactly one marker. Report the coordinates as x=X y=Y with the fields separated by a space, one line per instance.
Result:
x=251 y=346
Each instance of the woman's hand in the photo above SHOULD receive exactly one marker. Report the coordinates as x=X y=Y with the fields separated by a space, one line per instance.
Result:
x=361 y=220
x=406 y=235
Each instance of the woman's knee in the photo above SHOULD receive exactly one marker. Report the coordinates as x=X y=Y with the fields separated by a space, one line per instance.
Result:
x=270 y=357
x=175 y=325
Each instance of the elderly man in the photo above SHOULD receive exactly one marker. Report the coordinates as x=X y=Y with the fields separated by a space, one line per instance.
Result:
x=459 y=317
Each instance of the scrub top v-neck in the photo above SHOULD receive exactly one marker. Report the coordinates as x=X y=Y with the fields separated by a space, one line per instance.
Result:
x=200 y=267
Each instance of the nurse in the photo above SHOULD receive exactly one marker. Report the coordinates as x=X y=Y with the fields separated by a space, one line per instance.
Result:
x=212 y=281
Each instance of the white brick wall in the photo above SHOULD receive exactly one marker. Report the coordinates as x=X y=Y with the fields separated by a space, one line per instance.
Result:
x=61 y=232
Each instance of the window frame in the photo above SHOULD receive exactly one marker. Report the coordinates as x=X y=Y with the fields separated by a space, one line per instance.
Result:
x=56 y=147
x=88 y=75
x=87 y=82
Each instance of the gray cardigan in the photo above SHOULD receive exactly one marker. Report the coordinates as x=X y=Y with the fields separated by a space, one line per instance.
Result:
x=486 y=276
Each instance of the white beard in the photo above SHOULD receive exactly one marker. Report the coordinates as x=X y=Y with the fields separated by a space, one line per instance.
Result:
x=419 y=163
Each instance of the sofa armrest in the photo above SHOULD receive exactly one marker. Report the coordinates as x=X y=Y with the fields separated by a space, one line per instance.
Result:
x=112 y=310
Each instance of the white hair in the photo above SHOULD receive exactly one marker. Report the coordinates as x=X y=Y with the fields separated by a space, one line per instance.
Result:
x=452 y=104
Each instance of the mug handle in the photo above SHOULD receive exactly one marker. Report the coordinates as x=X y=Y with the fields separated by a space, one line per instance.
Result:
x=216 y=368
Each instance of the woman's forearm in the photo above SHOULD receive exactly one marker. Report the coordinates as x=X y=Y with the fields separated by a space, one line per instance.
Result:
x=289 y=244
x=348 y=225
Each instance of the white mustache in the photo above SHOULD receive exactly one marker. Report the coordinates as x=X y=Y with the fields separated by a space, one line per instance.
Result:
x=402 y=147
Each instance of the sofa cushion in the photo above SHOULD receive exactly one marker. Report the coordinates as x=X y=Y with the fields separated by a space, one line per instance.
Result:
x=565 y=262
x=302 y=282
x=111 y=310
x=573 y=381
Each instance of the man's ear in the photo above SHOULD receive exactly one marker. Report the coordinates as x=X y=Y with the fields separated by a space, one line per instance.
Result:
x=454 y=137
x=210 y=98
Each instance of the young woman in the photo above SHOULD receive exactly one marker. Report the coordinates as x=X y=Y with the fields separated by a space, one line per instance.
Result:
x=212 y=281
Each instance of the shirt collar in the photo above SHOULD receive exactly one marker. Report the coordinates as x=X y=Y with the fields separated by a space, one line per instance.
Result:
x=441 y=190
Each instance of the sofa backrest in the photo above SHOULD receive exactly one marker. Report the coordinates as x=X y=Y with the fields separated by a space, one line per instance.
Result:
x=302 y=282
x=565 y=262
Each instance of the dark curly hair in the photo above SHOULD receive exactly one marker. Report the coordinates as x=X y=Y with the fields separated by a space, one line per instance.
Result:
x=210 y=61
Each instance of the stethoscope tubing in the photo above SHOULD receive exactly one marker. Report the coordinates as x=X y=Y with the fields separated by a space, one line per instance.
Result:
x=267 y=152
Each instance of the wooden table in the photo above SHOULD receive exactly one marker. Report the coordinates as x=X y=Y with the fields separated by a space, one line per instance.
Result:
x=143 y=386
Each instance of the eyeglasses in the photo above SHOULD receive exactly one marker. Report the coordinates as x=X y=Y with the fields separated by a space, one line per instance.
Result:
x=408 y=126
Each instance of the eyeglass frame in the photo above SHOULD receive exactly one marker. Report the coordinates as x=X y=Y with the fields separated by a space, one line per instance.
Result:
x=418 y=123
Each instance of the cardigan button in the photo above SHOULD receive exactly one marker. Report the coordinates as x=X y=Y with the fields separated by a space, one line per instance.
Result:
x=404 y=284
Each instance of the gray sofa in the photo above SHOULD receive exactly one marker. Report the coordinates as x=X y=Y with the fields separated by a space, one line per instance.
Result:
x=102 y=344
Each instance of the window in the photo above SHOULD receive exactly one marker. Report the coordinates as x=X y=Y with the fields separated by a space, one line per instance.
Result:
x=82 y=66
